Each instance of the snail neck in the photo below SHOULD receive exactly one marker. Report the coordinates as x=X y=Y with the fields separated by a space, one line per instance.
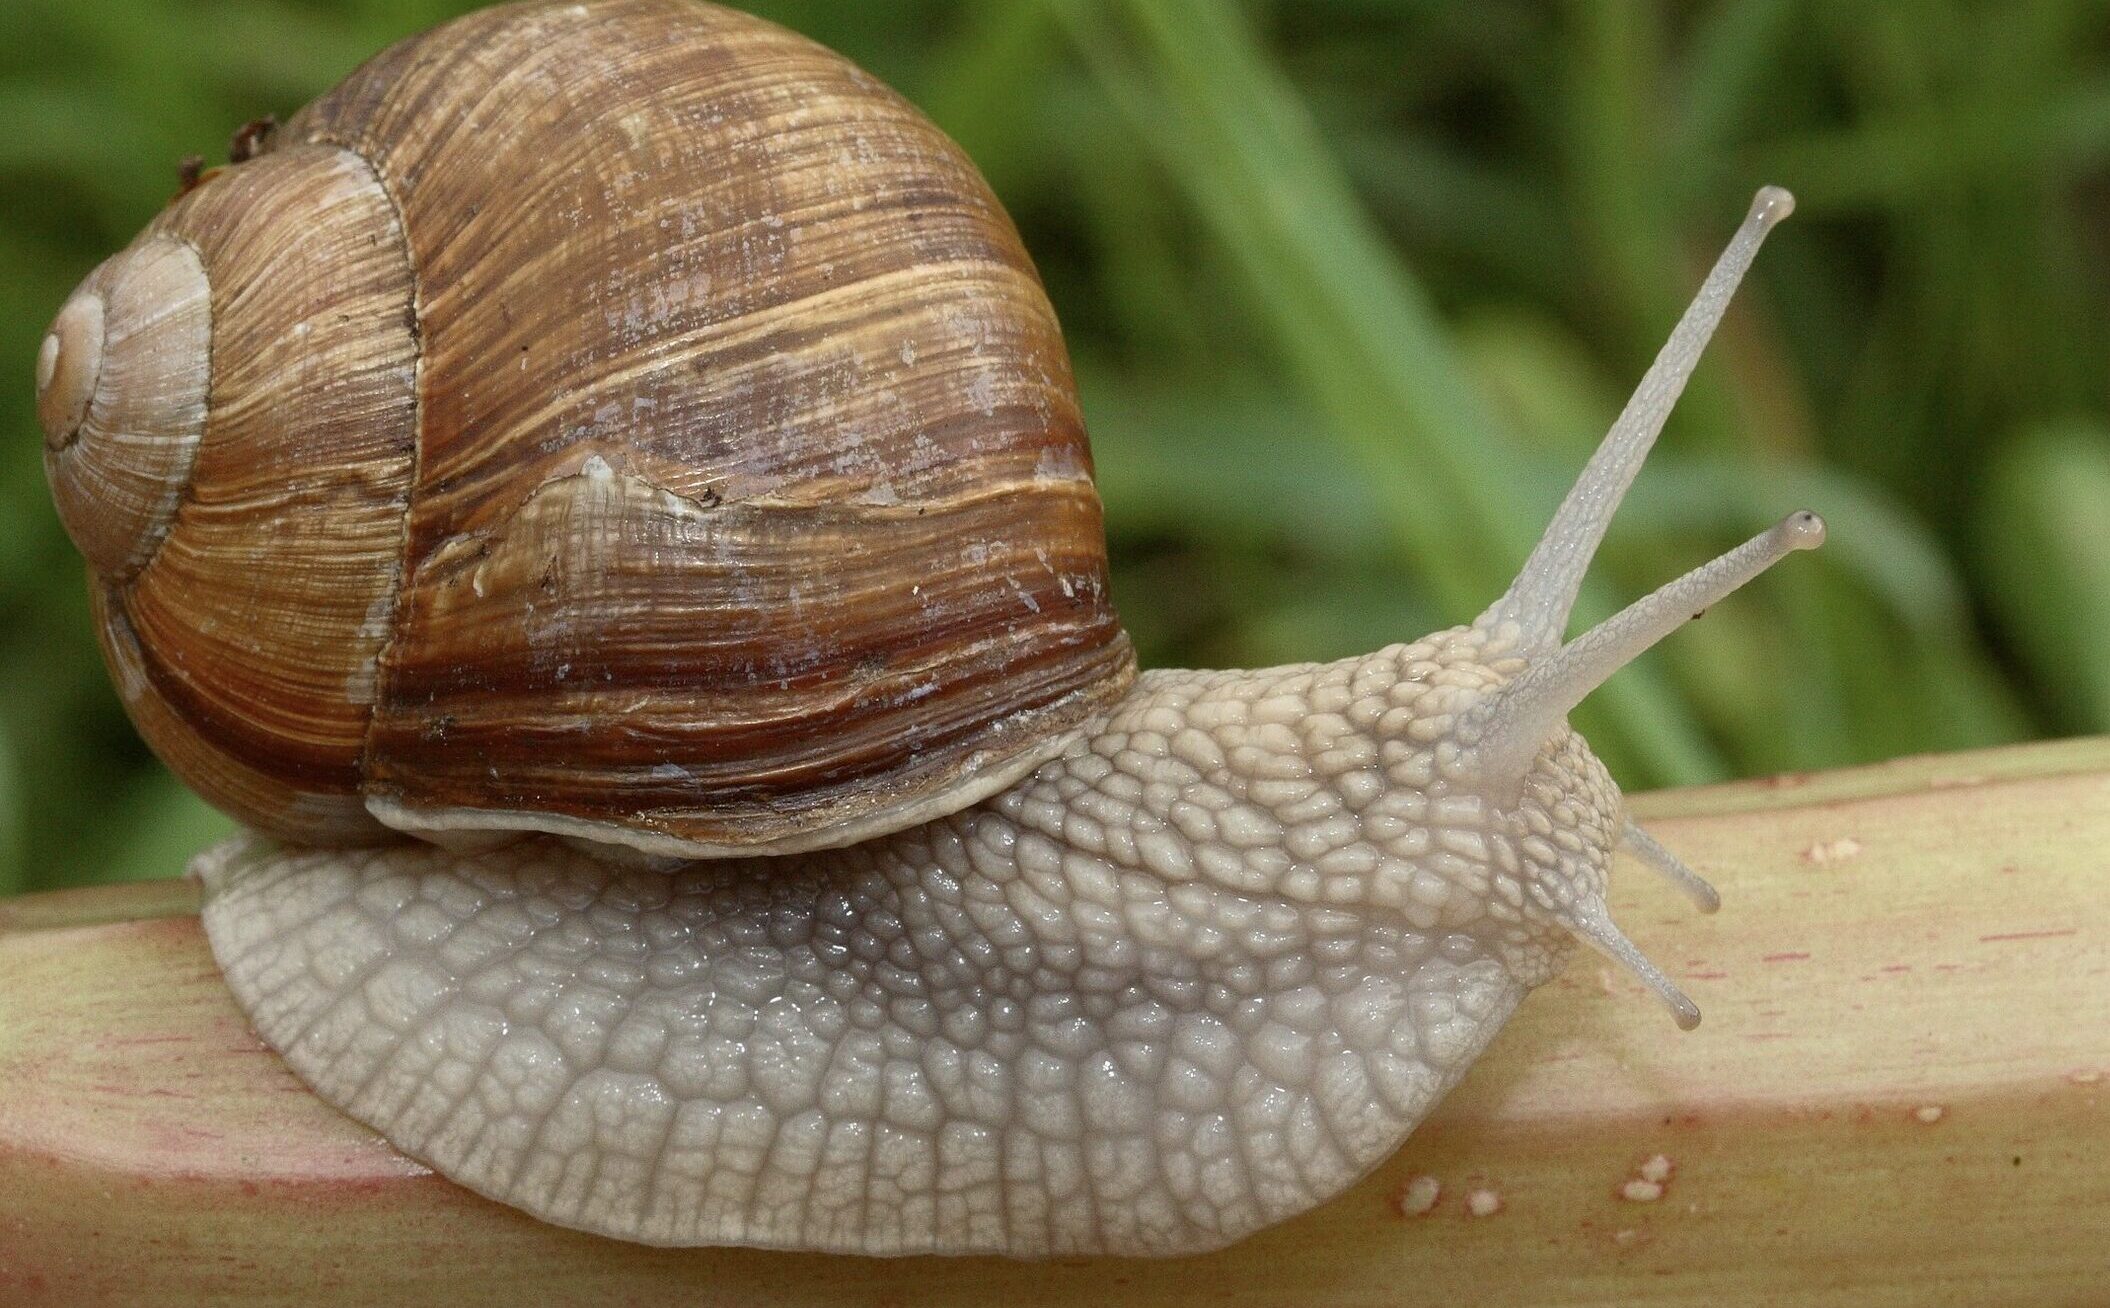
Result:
x=1359 y=785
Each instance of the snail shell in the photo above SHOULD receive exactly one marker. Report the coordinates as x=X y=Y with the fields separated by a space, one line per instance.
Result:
x=631 y=422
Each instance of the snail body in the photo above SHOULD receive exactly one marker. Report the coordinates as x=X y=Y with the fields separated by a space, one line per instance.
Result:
x=625 y=448
x=1104 y=1011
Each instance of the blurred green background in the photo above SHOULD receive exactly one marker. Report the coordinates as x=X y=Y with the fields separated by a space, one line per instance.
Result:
x=1353 y=286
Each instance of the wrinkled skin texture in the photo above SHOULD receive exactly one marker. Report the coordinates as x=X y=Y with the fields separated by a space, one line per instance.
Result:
x=1196 y=975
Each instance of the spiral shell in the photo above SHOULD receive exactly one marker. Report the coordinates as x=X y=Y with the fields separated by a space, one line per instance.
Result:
x=627 y=420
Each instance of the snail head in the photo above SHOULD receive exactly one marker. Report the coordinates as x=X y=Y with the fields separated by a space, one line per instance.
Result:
x=1506 y=809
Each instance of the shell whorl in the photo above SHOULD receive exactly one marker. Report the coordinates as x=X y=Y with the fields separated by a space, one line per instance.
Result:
x=121 y=391
x=246 y=647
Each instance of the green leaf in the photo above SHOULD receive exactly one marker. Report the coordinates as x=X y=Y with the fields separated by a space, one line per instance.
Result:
x=2044 y=547
x=151 y=830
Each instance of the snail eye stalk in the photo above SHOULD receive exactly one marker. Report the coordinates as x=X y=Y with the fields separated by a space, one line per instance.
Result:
x=1539 y=601
x=1517 y=720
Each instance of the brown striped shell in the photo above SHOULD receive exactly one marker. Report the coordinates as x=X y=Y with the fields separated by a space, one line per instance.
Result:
x=623 y=419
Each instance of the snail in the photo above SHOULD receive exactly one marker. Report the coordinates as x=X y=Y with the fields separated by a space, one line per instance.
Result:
x=599 y=495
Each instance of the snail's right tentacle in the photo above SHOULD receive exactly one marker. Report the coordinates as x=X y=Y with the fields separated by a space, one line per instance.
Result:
x=1518 y=719
x=1594 y=926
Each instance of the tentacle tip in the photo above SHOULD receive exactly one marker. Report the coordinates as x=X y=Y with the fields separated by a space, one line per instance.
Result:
x=1771 y=204
x=1596 y=928
x=1802 y=530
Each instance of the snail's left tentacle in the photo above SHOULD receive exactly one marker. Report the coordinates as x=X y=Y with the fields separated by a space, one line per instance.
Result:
x=1646 y=848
